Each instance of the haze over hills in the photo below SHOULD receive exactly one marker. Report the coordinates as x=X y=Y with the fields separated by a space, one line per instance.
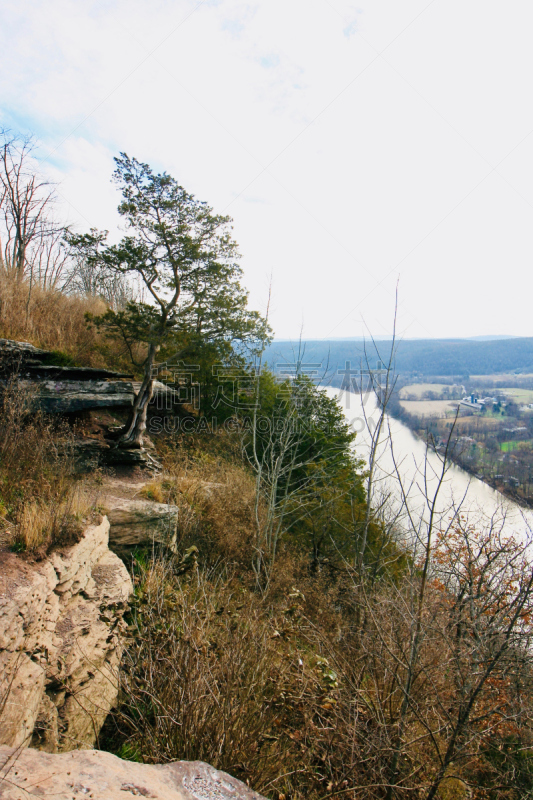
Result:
x=483 y=355
x=488 y=338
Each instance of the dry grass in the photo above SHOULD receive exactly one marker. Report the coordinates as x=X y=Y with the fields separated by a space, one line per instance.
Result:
x=49 y=522
x=213 y=673
x=41 y=501
x=55 y=321
x=216 y=497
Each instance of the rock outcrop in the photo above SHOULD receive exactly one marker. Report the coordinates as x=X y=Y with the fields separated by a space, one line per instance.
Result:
x=60 y=643
x=59 y=389
x=66 y=396
x=102 y=776
x=137 y=523
x=66 y=389
x=63 y=389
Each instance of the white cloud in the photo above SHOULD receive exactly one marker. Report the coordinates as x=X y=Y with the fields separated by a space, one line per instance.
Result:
x=342 y=167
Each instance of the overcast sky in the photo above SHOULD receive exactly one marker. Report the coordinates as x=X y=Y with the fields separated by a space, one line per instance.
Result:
x=354 y=144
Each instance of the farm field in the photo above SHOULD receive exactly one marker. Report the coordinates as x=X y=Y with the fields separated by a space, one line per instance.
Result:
x=491 y=450
x=507 y=447
x=429 y=408
x=418 y=389
x=475 y=424
x=524 y=396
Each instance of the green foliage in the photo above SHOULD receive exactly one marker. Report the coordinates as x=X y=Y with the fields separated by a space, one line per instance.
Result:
x=513 y=760
x=58 y=358
x=321 y=433
x=304 y=457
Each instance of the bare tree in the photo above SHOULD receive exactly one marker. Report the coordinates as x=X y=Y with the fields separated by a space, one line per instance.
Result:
x=447 y=650
x=50 y=266
x=30 y=239
x=86 y=278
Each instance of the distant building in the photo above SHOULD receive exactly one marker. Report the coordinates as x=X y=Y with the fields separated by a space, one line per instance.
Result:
x=519 y=430
x=476 y=404
x=471 y=403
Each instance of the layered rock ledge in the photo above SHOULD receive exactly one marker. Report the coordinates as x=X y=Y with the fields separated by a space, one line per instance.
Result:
x=63 y=389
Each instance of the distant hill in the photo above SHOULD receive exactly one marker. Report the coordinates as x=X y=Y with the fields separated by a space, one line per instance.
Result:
x=488 y=338
x=447 y=357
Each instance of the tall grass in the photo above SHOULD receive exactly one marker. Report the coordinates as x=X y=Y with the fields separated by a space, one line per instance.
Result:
x=55 y=321
x=42 y=502
x=216 y=497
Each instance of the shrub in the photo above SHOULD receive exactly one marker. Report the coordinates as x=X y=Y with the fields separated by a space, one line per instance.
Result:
x=213 y=673
x=215 y=494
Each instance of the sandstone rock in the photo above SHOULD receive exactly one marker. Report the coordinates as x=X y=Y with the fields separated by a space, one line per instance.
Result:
x=136 y=523
x=60 y=643
x=102 y=776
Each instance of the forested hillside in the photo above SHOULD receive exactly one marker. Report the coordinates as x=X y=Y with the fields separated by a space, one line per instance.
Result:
x=446 y=357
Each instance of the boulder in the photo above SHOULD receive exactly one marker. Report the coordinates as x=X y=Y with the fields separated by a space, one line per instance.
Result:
x=61 y=625
x=102 y=776
x=138 y=523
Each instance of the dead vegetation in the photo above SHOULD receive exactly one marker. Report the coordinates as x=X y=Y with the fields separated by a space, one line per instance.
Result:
x=213 y=673
x=55 y=321
x=46 y=318
x=42 y=502
x=300 y=701
x=216 y=500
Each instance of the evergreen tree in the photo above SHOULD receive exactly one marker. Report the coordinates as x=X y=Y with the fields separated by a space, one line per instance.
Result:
x=186 y=260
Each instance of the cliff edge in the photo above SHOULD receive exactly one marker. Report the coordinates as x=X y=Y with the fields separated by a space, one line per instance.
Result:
x=61 y=621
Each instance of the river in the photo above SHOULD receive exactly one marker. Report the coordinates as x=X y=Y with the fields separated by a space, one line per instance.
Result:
x=419 y=469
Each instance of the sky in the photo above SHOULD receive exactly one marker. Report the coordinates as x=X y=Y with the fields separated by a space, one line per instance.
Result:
x=361 y=148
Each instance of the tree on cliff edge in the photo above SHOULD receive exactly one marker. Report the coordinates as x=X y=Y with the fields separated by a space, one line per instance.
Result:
x=186 y=260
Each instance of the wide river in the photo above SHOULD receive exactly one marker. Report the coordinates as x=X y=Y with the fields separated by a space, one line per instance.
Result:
x=404 y=460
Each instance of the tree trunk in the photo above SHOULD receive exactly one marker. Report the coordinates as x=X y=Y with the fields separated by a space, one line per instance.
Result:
x=132 y=435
